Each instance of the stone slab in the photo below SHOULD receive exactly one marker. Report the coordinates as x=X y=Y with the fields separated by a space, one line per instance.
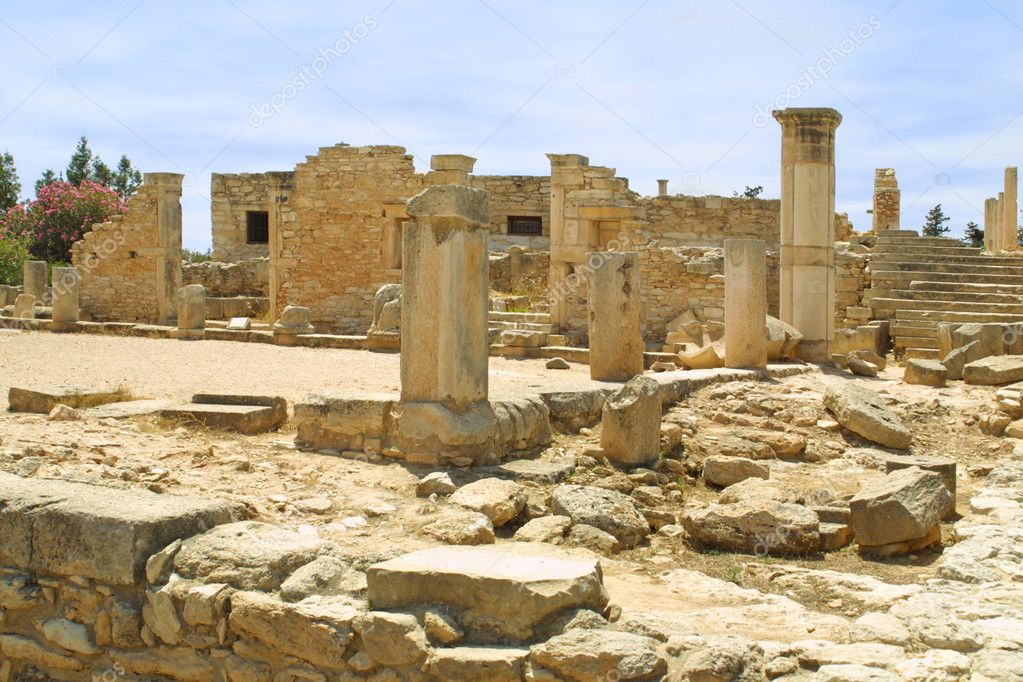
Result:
x=76 y=529
x=994 y=370
x=128 y=409
x=42 y=400
x=247 y=419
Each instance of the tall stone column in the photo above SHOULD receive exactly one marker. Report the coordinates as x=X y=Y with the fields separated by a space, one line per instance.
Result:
x=807 y=300
x=887 y=200
x=279 y=189
x=168 y=242
x=998 y=239
x=990 y=223
x=444 y=297
x=745 y=303
x=34 y=278
x=1010 y=211
x=615 y=306
x=65 y=299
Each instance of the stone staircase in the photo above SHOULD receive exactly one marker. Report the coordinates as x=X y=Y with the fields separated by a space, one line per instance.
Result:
x=919 y=282
x=533 y=323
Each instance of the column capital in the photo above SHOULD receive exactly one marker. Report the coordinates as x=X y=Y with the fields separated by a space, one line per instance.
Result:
x=814 y=116
x=451 y=201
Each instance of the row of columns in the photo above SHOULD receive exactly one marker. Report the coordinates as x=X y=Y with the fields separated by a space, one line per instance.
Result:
x=1001 y=216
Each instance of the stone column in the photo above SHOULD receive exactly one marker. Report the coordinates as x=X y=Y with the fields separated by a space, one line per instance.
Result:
x=807 y=300
x=279 y=190
x=990 y=223
x=616 y=341
x=662 y=188
x=444 y=297
x=1010 y=211
x=745 y=303
x=65 y=299
x=997 y=239
x=34 y=278
x=191 y=312
x=168 y=242
x=887 y=200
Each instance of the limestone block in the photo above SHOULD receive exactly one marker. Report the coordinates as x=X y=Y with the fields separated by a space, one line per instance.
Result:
x=905 y=505
x=761 y=526
x=65 y=296
x=608 y=510
x=615 y=308
x=994 y=370
x=191 y=307
x=294 y=321
x=24 y=307
x=34 y=278
x=497 y=499
x=724 y=471
x=581 y=655
x=925 y=373
x=864 y=412
x=631 y=421
x=745 y=303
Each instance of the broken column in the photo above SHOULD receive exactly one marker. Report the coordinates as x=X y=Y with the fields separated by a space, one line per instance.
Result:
x=294 y=322
x=65 y=299
x=887 y=200
x=34 y=278
x=662 y=188
x=1010 y=212
x=444 y=338
x=807 y=300
x=745 y=303
x=616 y=342
x=191 y=313
x=25 y=307
x=168 y=242
x=450 y=169
x=990 y=223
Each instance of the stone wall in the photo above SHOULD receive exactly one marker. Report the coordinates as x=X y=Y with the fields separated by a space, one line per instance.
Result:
x=851 y=279
x=689 y=221
x=130 y=267
x=516 y=195
x=520 y=273
x=232 y=197
x=243 y=278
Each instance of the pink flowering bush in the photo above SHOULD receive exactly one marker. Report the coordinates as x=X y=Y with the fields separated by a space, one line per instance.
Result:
x=59 y=216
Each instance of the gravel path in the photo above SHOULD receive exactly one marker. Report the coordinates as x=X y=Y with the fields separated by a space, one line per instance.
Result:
x=164 y=368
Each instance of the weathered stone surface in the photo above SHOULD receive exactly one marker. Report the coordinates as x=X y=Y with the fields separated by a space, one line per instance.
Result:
x=861 y=367
x=499 y=500
x=724 y=471
x=585 y=655
x=43 y=400
x=435 y=483
x=558 y=363
x=610 y=511
x=456 y=527
x=247 y=555
x=593 y=539
x=544 y=529
x=478 y=664
x=68 y=635
x=393 y=639
x=905 y=505
x=994 y=370
x=782 y=339
x=759 y=526
x=708 y=357
x=925 y=373
x=324 y=576
x=945 y=467
x=316 y=631
x=17 y=647
x=247 y=419
x=18 y=591
x=864 y=413
x=86 y=530
x=721 y=658
x=631 y=423
x=500 y=593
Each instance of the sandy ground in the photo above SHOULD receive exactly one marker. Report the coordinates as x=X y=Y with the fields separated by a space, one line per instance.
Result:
x=164 y=368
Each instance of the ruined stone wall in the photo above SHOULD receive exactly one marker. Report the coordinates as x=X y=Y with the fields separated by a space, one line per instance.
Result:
x=520 y=273
x=244 y=278
x=516 y=195
x=707 y=221
x=126 y=265
x=332 y=233
x=851 y=279
x=232 y=196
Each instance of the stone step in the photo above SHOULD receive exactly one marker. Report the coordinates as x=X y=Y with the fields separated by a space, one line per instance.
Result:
x=943 y=259
x=916 y=342
x=903 y=266
x=968 y=287
x=957 y=296
x=920 y=354
x=522 y=326
x=919 y=241
x=887 y=277
x=947 y=306
x=921 y=329
x=531 y=317
x=897 y=233
x=944 y=316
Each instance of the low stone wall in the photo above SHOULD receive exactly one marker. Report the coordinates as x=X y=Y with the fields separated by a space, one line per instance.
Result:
x=520 y=272
x=244 y=278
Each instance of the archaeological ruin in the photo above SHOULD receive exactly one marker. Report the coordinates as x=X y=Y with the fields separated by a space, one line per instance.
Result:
x=416 y=425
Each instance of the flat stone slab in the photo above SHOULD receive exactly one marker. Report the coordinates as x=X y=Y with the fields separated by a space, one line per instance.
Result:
x=42 y=400
x=536 y=470
x=128 y=409
x=864 y=413
x=500 y=593
x=76 y=529
x=224 y=412
x=995 y=370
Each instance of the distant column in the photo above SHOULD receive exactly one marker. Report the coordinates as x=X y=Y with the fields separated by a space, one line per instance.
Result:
x=807 y=300
x=745 y=303
x=191 y=312
x=34 y=278
x=662 y=188
x=65 y=299
x=887 y=200
x=615 y=305
x=1010 y=211
x=168 y=242
x=990 y=223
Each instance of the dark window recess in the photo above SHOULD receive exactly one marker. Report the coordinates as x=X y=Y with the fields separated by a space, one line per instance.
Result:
x=525 y=225
x=257 y=227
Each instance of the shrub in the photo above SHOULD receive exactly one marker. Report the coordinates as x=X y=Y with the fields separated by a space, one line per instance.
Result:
x=13 y=254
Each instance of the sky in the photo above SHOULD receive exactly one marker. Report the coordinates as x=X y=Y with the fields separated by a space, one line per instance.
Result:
x=670 y=89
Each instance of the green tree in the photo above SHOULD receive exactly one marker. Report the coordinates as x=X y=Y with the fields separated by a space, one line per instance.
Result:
x=48 y=178
x=974 y=235
x=10 y=186
x=81 y=167
x=126 y=179
x=101 y=173
x=750 y=192
x=936 y=223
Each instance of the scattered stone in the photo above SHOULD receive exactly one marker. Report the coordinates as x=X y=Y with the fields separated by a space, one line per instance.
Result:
x=631 y=423
x=608 y=510
x=759 y=526
x=586 y=655
x=994 y=370
x=724 y=471
x=864 y=413
x=544 y=529
x=870 y=357
x=325 y=575
x=435 y=483
x=393 y=639
x=906 y=505
x=861 y=367
x=708 y=357
x=558 y=363
x=461 y=528
x=497 y=499
x=925 y=373
x=63 y=413
x=593 y=539
x=440 y=627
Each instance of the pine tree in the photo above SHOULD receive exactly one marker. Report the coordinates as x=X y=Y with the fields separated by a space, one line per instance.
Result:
x=10 y=186
x=101 y=173
x=80 y=168
x=750 y=192
x=974 y=235
x=48 y=178
x=126 y=179
x=936 y=223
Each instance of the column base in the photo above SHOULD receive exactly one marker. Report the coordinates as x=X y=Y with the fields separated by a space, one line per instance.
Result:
x=813 y=351
x=188 y=334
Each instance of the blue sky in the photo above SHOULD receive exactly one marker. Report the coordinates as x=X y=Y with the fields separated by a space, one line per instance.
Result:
x=657 y=88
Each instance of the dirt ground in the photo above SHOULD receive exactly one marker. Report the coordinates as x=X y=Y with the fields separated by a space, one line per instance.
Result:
x=371 y=508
